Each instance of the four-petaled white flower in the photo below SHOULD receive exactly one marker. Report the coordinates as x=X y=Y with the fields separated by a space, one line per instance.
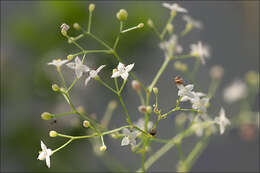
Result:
x=122 y=71
x=58 y=62
x=199 y=50
x=93 y=74
x=198 y=103
x=129 y=137
x=185 y=92
x=191 y=21
x=175 y=7
x=78 y=66
x=222 y=121
x=236 y=91
x=45 y=154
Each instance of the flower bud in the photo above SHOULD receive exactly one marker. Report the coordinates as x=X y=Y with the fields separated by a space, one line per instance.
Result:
x=152 y=132
x=103 y=148
x=76 y=26
x=142 y=109
x=62 y=90
x=70 y=57
x=53 y=134
x=216 y=72
x=91 y=7
x=149 y=109
x=180 y=66
x=64 y=28
x=122 y=15
x=46 y=116
x=136 y=85
x=81 y=110
x=252 y=78
x=55 y=87
x=169 y=28
x=140 y=25
x=86 y=123
x=155 y=90
x=150 y=23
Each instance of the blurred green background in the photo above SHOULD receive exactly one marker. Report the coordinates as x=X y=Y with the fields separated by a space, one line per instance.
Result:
x=30 y=38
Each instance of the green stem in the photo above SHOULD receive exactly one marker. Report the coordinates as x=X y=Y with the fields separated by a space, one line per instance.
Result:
x=118 y=36
x=62 y=114
x=64 y=145
x=124 y=107
x=165 y=27
x=141 y=97
x=61 y=76
x=122 y=86
x=89 y=21
x=75 y=43
x=106 y=85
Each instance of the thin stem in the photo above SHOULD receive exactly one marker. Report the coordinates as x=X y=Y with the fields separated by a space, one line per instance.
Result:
x=62 y=114
x=130 y=29
x=64 y=145
x=108 y=114
x=75 y=43
x=116 y=84
x=180 y=152
x=106 y=85
x=141 y=97
x=73 y=83
x=98 y=40
x=184 y=56
x=124 y=107
x=89 y=21
x=118 y=36
x=165 y=27
x=122 y=86
x=61 y=76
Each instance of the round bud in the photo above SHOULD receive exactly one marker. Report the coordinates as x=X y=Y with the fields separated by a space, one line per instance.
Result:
x=91 y=7
x=53 y=134
x=122 y=15
x=152 y=132
x=62 y=90
x=149 y=109
x=55 y=87
x=142 y=109
x=155 y=90
x=140 y=25
x=70 y=57
x=150 y=23
x=169 y=28
x=64 y=32
x=103 y=148
x=252 y=78
x=216 y=72
x=81 y=109
x=180 y=66
x=46 y=116
x=135 y=85
x=76 y=26
x=86 y=123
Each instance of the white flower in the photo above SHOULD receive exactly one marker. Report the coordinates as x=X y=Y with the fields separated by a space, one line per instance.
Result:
x=198 y=103
x=170 y=46
x=58 y=62
x=129 y=137
x=191 y=21
x=175 y=7
x=122 y=71
x=141 y=124
x=200 y=50
x=45 y=154
x=93 y=74
x=78 y=66
x=222 y=121
x=185 y=92
x=236 y=91
x=65 y=27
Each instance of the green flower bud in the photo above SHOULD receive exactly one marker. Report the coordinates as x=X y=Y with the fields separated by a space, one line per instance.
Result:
x=169 y=28
x=64 y=32
x=86 y=123
x=252 y=78
x=62 y=90
x=103 y=148
x=140 y=25
x=149 y=109
x=46 y=116
x=155 y=90
x=122 y=15
x=55 y=87
x=150 y=23
x=70 y=57
x=81 y=109
x=91 y=7
x=76 y=26
x=53 y=134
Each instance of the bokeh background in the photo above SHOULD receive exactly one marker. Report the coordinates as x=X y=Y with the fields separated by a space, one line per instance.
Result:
x=30 y=38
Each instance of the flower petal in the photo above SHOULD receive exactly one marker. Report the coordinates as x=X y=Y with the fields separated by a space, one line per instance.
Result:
x=120 y=66
x=115 y=75
x=43 y=146
x=71 y=65
x=129 y=67
x=48 y=161
x=124 y=75
x=87 y=80
x=125 y=141
x=78 y=61
x=78 y=72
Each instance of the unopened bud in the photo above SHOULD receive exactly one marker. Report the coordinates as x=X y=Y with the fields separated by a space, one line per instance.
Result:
x=152 y=132
x=136 y=85
x=55 y=87
x=64 y=28
x=70 y=57
x=53 y=134
x=62 y=90
x=140 y=25
x=103 y=148
x=46 y=116
x=91 y=7
x=81 y=110
x=216 y=72
x=155 y=90
x=86 y=123
x=122 y=15
x=149 y=109
x=142 y=109
x=180 y=66
x=76 y=26
x=252 y=78
x=150 y=23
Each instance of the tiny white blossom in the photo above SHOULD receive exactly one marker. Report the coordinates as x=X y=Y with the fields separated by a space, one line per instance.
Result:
x=45 y=154
x=58 y=62
x=236 y=91
x=202 y=51
x=78 y=66
x=174 y=7
x=185 y=92
x=191 y=21
x=129 y=138
x=198 y=103
x=171 y=46
x=222 y=121
x=122 y=71
x=65 y=27
x=93 y=74
x=141 y=124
